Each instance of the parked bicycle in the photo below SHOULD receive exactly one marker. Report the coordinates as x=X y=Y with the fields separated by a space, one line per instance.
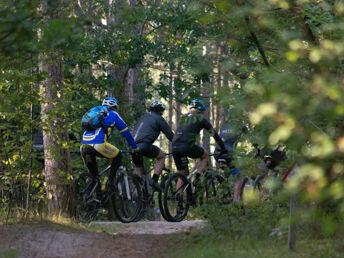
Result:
x=123 y=195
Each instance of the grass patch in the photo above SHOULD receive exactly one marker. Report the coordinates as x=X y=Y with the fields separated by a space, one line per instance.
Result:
x=260 y=230
x=210 y=245
x=8 y=253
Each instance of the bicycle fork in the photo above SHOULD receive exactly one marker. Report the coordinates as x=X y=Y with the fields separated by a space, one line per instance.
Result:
x=126 y=188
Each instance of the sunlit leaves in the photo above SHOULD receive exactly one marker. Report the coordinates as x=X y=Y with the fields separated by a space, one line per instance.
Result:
x=263 y=110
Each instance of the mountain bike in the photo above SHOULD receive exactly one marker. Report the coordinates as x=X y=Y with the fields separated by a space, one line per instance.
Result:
x=124 y=193
x=148 y=202
x=180 y=193
x=219 y=183
x=262 y=184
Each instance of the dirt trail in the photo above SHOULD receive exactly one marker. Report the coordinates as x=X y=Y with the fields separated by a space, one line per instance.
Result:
x=142 y=239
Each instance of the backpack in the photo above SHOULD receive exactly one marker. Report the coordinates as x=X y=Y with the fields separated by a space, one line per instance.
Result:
x=92 y=119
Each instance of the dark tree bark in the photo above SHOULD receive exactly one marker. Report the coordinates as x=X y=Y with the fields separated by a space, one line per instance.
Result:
x=56 y=156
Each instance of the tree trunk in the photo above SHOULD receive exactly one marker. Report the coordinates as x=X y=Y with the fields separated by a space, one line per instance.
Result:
x=218 y=85
x=170 y=115
x=56 y=157
x=130 y=88
x=55 y=135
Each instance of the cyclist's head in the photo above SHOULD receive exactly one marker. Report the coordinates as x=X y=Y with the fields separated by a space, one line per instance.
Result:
x=111 y=102
x=198 y=104
x=157 y=106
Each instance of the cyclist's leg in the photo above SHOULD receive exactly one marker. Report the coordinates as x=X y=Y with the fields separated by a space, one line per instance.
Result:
x=109 y=151
x=197 y=152
x=89 y=157
x=237 y=187
x=237 y=184
x=138 y=157
x=89 y=154
x=160 y=163
x=152 y=151
x=182 y=166
x=203 y=162
x=138 y=162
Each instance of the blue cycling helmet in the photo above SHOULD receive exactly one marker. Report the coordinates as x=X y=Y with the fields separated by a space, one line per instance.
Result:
x=198 y=104
x=110 y=102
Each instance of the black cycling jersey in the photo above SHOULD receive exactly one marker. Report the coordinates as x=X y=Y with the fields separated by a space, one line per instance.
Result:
x=228 y=137
x=149 y=126
x=189 y=128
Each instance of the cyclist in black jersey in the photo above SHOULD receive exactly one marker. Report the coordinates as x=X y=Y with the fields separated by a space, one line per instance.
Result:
x=146 y=130
x=184 y=141
x=230 y=139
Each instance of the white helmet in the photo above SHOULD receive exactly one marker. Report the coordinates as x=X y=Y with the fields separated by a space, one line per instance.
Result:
x=110 y=102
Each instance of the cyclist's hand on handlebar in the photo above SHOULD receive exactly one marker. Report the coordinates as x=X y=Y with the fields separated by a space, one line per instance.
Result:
x=136 y=150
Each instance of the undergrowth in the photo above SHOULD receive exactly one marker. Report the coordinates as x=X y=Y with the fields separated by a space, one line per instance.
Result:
x=260 y=229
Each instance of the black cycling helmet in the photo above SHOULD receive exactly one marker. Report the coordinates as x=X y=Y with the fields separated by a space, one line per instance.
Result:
x=198 y=104
x=157 y=106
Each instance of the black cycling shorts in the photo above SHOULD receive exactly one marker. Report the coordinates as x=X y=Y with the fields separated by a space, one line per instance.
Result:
x=146 y=149
x=181 y=152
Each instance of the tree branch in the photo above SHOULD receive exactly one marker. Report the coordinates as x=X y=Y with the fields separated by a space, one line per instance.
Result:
x=256 y=41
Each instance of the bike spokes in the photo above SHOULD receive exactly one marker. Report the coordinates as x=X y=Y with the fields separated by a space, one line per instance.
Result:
x=177 y=195
x=126 y=198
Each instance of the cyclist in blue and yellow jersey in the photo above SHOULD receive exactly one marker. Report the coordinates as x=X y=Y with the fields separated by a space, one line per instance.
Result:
x=95 y=144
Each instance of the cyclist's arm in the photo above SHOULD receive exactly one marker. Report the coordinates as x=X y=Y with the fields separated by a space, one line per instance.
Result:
x=219 y=140
x=166 y=129
x=124 y=130
x=210 y=129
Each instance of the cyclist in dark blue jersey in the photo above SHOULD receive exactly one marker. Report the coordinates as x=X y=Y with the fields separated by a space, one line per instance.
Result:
x=95 y=144
x=147 y=129
x=184 y=141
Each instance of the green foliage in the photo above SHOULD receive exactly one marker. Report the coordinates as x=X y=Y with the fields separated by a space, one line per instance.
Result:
x=277 y=67
x=260 y=230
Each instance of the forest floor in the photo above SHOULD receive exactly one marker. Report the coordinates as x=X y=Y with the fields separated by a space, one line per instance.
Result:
x=103 y=239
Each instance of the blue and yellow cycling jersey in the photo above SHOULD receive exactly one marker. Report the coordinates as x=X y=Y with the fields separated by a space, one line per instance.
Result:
x=109 y=122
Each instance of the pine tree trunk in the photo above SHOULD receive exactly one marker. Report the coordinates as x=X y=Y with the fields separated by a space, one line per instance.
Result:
x=170 y=115
x=130 y=88
x=56 y=156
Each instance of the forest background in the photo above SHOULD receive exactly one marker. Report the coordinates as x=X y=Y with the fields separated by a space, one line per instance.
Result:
x=275 y=66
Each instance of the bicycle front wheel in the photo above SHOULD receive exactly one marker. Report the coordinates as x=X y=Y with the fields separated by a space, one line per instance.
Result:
x=126 y=198
x=212 y=194
x=87 y=203
x=160 y=196
x=177 y=197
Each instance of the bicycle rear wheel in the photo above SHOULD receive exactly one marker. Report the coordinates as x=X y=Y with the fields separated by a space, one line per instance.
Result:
x=87 y=204
x=126 y=198
x=177 y=197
